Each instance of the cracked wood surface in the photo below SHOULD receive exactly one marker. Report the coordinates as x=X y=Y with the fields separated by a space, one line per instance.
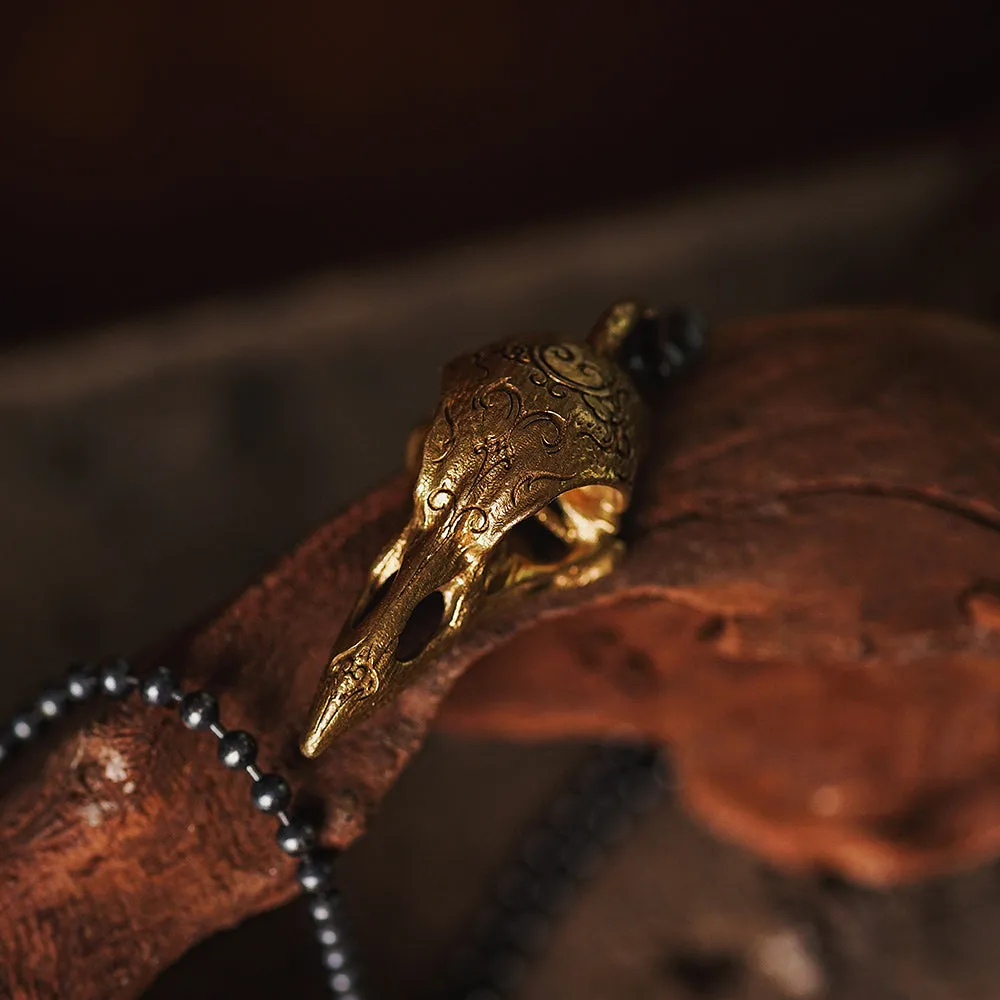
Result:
x=807 y=615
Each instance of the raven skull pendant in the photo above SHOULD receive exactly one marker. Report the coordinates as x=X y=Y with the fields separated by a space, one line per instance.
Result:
x=522 y=477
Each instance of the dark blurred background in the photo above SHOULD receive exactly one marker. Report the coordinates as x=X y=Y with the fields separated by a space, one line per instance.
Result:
x=155 y=151
x=238 y=240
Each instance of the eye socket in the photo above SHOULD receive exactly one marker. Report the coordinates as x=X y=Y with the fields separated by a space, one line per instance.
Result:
x=538 y=543
x=374 y=601
x=420 y=627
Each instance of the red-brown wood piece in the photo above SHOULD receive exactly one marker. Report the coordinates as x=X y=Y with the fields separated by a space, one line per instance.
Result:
x=808 y=615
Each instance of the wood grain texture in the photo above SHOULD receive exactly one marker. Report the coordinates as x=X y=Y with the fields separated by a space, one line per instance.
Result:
x=809 y=612
x=807 y=615
x=131 y=842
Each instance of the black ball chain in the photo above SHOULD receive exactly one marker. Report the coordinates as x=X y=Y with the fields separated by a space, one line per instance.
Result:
x=237 y=750
x=661 y=347
x=597 y=810
x=620 y=783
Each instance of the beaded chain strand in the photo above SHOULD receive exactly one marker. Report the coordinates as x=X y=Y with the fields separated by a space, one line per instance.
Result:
x=620 y=783
x=591 y=816
x=237 y=750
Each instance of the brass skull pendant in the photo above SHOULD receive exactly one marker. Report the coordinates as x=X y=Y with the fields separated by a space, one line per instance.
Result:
x=522 y=477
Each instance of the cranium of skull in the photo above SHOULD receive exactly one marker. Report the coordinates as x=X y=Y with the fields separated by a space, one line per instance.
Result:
x=522 y=477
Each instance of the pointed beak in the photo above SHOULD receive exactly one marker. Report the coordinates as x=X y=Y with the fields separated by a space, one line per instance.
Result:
x=344 y=696
x=380 y=649
x=322 y=727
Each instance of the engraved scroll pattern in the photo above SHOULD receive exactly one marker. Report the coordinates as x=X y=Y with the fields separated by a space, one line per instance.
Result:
x=509 y=428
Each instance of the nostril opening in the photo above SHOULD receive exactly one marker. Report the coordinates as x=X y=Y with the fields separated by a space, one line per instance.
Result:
x=420 y=627
x=374 y=601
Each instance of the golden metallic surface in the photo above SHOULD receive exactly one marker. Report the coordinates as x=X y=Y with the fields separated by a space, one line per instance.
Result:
x=522 y=477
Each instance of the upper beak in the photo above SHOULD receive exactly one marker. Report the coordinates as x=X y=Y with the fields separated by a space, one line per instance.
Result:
x=364 y=670
x=322 y=727
x=349 y=681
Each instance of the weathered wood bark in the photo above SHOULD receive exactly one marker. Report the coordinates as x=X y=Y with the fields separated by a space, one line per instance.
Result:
x=808 y=615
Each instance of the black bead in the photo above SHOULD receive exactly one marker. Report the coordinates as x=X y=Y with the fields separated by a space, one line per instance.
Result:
x=315 y=874
x=237 y=749
x=582 y=857
x=81 y=682
x=328 y=934
x=529 y=933
x=5 y=746
x=199 y=710
x=541 y=852
x=116 y=678
x=598 y=773
x=324 y=908
x=333 y=958
x=568 y=811
x=296 y=836
x=52 y=704
x=158 y=687
x=25 y=726
x=484 y=927
x=687 y=330
x=342 y=984
x=514 y=891
x=553 y=893
x=271 y=793
x=642 y=788
x=659 y=345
